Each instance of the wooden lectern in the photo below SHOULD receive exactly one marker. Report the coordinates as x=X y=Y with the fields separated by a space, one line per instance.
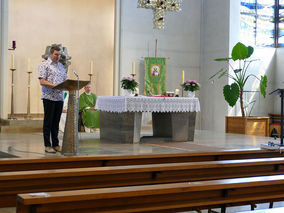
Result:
x=70 y=138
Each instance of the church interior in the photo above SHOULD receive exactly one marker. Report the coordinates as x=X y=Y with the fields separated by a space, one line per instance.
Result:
x=162 y=143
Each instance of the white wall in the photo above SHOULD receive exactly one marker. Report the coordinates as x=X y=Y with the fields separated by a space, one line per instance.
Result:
x=4 y=14
x=279 y=78
x=265 y=65
x=215 y=43
x=179 y=41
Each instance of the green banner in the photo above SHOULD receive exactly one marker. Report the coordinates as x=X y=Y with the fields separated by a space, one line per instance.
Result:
x=155 y=76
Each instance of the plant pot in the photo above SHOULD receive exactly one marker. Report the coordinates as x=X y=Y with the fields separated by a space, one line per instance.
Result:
x=191 y=94
x=128 y=92
x=247 y=125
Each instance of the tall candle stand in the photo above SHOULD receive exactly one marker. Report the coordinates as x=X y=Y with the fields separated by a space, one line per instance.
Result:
x=90 y=74
x=12 y=116
x=182 y=91
x=29 y=95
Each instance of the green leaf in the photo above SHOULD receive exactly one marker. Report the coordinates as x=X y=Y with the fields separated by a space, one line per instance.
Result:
x=222 y=59
x=237 y=70
x=231 y=93
x=250 y=51
x=222 y=74
x=240 y=51
x=221 y=70
x=263 y=85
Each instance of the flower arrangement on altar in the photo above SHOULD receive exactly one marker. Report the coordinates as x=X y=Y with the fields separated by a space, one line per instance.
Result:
x=191 y=85
x=129 y=83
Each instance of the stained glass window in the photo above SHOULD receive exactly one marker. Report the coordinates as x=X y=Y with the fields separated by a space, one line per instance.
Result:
x=248 y=21
x=257 y=22
x=281 y=24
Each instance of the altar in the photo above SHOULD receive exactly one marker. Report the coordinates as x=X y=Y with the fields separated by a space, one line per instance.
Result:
x=173 y=118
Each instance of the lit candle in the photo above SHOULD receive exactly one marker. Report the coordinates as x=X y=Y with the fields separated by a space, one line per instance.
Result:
x=92 y=65
x=182 y=77
x=177 y=92
x=133 y=67
x=29 y=64
x=12 y=61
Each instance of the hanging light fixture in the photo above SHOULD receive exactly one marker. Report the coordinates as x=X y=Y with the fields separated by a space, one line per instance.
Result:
x=160 y=7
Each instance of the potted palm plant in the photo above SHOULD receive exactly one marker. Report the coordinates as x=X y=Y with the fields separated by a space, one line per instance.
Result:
x=233 y=92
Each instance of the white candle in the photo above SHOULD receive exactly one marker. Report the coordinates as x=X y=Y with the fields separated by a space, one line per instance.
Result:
x=92 y=65
x=177 y=92
x=12 y=62
x=29 y=64
x=133 y=67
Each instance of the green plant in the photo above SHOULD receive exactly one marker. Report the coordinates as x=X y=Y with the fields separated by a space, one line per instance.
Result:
x=129 y=83
x=240 y=75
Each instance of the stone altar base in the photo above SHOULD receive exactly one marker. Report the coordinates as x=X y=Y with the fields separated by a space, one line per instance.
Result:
x=174 y=126
x=120 y=127
x=167 y=127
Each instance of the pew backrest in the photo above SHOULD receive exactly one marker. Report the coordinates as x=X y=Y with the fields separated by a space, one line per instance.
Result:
x=96 y=161
x=158 y=198
x=12 y=183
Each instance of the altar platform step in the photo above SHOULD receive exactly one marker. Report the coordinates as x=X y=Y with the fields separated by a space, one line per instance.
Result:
x=21 y=125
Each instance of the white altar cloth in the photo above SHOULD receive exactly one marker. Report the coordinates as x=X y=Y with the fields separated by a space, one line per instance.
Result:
x=147 y=104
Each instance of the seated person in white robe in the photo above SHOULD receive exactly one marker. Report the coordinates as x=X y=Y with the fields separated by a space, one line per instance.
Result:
x=87 y=103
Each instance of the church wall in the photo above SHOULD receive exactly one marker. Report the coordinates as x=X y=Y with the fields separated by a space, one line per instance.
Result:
x=220 y=32
x=179 y=42
x=85 y=27
x=215 y=43
x=279 y=78
x=4 y=4
x=265 y=65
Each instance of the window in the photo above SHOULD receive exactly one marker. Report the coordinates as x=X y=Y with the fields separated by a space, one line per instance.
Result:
x=262 y=22
x=281 y=24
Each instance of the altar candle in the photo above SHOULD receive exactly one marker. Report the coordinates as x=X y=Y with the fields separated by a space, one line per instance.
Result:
x=133 y=67
x=182 y=77
x=92 y=65
x=12 y=61
x=29 y=64
x=177 y=92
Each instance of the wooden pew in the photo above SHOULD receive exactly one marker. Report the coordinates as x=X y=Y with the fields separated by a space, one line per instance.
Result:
x=95 y=161
x=173 y=197
x=13 y=183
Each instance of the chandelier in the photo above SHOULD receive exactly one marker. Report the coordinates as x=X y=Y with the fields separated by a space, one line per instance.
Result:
x=160 y=7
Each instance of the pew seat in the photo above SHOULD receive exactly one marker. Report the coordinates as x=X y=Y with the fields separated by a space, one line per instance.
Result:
x=174 y=197
x=21 y=164
x=13 y=183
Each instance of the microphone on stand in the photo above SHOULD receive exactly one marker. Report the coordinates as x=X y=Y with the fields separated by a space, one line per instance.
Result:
x=76 y=74
x=77 y=101
x=78 y=86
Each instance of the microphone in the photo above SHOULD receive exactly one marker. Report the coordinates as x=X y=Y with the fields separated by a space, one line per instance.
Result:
x=76 y=74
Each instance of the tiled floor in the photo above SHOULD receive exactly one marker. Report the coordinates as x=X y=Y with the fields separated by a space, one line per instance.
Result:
x=31 y=146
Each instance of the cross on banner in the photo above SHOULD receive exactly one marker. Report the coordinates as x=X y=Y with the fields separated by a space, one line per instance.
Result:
x=159 y=7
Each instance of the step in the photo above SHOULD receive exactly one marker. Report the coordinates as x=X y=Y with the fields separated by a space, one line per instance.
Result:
x=21 y=126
